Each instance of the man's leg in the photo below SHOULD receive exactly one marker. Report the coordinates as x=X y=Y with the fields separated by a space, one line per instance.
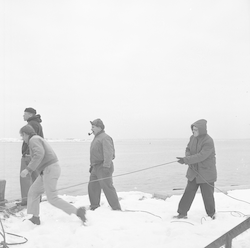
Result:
x=34 y=194
x=94 y=189
x=34 y=175
x=25 y=182
x=108 y=188
x=188 y=197
x=50 y=178
x=207 y=192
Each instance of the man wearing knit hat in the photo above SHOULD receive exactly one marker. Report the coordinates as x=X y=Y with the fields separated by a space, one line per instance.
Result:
x=102 y=152
x=33 y=120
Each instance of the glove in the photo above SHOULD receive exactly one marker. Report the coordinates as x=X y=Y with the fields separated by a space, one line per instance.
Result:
x=90 y=169
x=180 y=160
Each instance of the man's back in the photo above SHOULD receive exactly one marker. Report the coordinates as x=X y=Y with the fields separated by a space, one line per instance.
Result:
x=35 y=122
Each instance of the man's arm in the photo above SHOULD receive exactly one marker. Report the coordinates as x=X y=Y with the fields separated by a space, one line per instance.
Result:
x=37 y=154
x=108 y=151
x=205 y=152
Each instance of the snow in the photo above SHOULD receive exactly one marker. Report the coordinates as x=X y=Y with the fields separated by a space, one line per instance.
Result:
x=145 y=221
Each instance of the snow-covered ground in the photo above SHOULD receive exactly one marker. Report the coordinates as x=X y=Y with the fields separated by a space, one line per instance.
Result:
x=144 y=222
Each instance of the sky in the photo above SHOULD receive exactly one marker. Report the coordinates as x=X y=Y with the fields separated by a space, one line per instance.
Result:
x=144 y=222
x=148 y=69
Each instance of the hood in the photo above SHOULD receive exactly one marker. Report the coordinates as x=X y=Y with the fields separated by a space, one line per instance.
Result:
x=201 y=125
x=35 y=118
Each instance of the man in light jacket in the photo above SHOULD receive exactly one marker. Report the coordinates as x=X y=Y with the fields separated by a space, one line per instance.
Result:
x=44 y=161
x=102 y=152
x=200 y=158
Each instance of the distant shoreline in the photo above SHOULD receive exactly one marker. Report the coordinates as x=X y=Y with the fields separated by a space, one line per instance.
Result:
x=13 y=140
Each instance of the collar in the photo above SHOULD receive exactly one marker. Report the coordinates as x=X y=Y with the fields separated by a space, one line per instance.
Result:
x=102 y=131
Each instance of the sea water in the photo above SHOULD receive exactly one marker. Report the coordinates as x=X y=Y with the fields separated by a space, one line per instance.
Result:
x=146 y=165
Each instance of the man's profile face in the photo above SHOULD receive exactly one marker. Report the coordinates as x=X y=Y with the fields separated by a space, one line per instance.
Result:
x=95 y=129
x=25 y=137
x=26 y=116
x=195 y=131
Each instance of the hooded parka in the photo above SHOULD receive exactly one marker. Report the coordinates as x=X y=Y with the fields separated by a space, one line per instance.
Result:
x=200 y=156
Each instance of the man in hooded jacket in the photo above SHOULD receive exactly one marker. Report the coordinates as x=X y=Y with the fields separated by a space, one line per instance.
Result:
x=33 y=120
x=200 y=158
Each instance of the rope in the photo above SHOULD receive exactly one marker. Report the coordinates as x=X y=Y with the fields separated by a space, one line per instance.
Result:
x=219 y=189
x=187 y=222
x=104 y=178
x=4 y=244
x=136 y=171
x=119 y=175
x=142 y=211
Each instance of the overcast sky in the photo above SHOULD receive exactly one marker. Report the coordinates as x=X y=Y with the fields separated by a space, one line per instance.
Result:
x=148 y=69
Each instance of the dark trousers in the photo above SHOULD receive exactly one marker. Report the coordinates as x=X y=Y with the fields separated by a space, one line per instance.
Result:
x=95 y=187
x=207 y=193
x=25 y=182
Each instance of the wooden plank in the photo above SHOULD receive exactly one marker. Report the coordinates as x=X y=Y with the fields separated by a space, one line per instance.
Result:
x=2 y=192
x=226 y=239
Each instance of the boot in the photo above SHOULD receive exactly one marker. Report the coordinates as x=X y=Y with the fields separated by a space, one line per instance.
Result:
x=35 y=220
x=180 y=216
x=81 y=212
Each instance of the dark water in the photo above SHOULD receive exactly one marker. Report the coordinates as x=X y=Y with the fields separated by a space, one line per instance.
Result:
x=233 y=165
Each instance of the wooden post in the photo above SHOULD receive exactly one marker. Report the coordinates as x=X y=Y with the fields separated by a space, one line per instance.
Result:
x=2 y=192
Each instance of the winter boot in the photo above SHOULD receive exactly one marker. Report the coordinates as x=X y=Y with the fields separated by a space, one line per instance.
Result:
x=81 y=212
x=35 y=220
x=180 y=216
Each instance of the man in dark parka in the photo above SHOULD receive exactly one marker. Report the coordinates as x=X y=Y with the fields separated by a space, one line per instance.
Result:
x=200 y=158
x=33 y=120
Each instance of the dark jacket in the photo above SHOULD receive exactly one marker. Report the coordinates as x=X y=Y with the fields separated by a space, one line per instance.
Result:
x=102 y=150
x=200 y=155
x=34 y=121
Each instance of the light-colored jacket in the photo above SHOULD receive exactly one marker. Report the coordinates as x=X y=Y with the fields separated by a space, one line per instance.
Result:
x=200 y=156
x=42 y=155
x=102 y=150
